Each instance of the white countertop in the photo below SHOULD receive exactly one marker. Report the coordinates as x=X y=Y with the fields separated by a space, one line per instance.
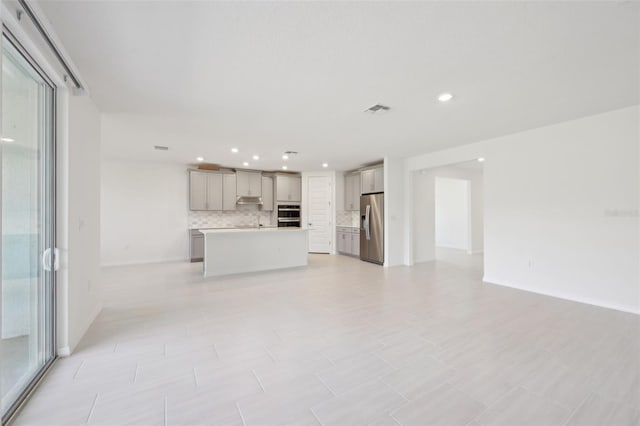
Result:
x=263 y=229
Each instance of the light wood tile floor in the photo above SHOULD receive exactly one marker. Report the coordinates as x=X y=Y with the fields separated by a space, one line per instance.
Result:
x=341 y=342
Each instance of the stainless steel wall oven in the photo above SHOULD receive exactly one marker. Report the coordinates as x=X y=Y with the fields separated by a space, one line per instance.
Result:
x=288 y=215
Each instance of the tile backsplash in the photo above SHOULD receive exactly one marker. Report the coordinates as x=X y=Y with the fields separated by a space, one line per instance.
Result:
x=242 y=216
x=351 y=218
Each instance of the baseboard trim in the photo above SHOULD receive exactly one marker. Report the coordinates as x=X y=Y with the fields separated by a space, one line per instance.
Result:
x=144 y=262
x=564 y=296
x=64 y=351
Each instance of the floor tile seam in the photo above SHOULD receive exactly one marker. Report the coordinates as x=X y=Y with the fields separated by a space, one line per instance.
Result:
x=384 y=361
x=258 y=380
x=541 y=394
x=317 y=376
x=393 y=412
x=93 y=407
x=240 y=413
x=489 y=406
x=578 y=407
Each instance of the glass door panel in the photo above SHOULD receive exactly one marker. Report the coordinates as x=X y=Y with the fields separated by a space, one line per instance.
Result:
x=27 y=225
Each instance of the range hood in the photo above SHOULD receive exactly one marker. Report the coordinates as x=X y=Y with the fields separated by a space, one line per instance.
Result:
x=255 y=201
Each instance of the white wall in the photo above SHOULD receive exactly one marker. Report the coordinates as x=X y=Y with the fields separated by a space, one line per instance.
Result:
x=85 y=295
x=423 y=218
x=453 y=210
x=394 y=211
x=561 y=208
x=144 y=212
x=79 y=287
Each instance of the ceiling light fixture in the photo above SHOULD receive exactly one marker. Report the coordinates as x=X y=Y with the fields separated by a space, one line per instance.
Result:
x=200 y=159
x=445 y=97
x=7 y=140
x=481 y=160
x=256 y=157
x=234 y=150
x=245 y=164
x=285 y=157
x=325 y=165
x=284 y=167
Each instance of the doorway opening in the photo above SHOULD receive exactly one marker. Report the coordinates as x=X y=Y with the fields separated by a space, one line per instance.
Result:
x=448 y=217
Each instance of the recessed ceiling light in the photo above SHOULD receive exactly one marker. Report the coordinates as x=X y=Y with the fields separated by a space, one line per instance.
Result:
x=256 y=157
x=285 y=157
x=234 y=150
x=445 y=97
x=481 y=159
x=325 y=165
x=245 y=164
x=200 y=159
x=7 y=140
x=284 y=167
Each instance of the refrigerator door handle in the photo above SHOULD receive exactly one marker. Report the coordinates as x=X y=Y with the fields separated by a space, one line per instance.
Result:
x=367 y=228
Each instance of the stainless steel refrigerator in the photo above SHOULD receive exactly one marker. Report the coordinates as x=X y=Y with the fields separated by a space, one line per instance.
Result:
x=372 y=228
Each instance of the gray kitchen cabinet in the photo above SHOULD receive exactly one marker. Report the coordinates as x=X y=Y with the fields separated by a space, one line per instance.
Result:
x=214 y=191
x=348 y=241
x=352 y=192
x=288 y=188
x=355 y=244
x=378 y=179
x=205 y=191
x=229 y=191
x=267 y=193
x=372 y=180
x=344 y=242
x=248 y=184
x=196 y=245
x=197 y=190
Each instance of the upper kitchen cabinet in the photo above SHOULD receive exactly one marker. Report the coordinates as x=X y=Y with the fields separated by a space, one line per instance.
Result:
x=205 y=191
x=267 y=193
x=229 y=191
x=372 y=180
x=288 y=188
x=248 y=184
x=352 y=192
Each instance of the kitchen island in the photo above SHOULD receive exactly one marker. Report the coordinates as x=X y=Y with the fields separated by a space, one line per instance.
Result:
x=234 y=251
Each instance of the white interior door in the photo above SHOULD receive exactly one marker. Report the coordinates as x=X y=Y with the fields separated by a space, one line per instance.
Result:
x=319 y=214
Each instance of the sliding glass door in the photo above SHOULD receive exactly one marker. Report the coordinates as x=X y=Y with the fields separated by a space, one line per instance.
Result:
x=27 y=222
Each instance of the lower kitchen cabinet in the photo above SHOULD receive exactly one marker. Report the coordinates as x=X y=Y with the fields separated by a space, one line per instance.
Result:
x=355 y=244
x=348 y=241
x=196 y=245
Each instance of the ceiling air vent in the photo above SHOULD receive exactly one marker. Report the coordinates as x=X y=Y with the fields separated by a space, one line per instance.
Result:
x=377 y=108
x=161 y=148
